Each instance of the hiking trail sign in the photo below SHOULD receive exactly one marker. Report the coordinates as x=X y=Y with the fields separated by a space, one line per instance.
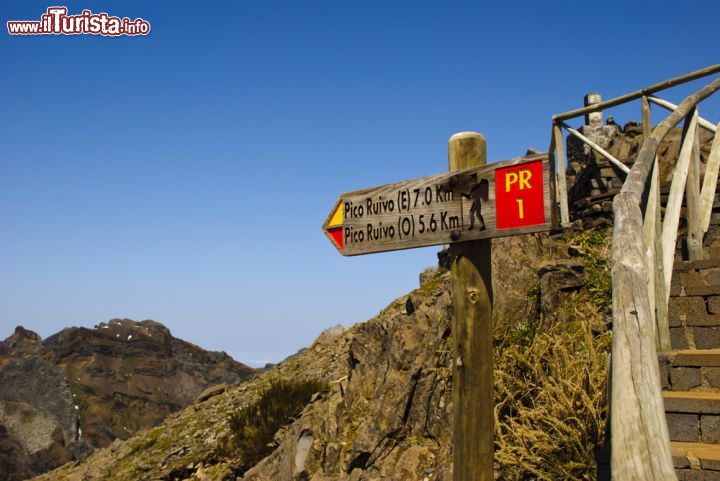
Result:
x=500 y=199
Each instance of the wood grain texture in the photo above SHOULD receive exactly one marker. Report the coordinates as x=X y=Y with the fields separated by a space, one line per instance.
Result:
x=554 y=188
x=646 y=120
x=640 y=440
x=425 y=211
x=649 y=221
x=692 y=194
x=675 y=198
x=707 y=195
x=473 y=400
x=661 y=292
x=561 y=177
x=649 y=216
x=652 y=239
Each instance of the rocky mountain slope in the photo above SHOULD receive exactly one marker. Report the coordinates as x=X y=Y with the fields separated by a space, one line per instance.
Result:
x=386 y=410
x=81 y=389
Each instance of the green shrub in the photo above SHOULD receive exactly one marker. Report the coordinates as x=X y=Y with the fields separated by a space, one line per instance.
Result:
x=533 y=294
x=253 y=427
x=594 y=248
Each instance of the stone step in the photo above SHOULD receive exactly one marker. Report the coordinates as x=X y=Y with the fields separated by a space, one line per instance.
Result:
x=694 y=358
x=693 y=416
x=695 y=402
x=694 y=322
x=696 y=265
x=689 y=337
x=696 y=278
x=696 y=461
x=685 y=290
x=701 y=319
x=690 y=370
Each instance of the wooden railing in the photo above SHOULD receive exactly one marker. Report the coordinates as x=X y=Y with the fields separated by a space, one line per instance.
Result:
x=643 y=250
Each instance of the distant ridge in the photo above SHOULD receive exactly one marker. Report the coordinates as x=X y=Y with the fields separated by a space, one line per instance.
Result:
x=80 y=389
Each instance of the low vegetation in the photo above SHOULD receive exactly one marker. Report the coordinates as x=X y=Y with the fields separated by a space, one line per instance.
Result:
x=550 y=383
x=594 y=250
x=253 y=427
x=551 y=405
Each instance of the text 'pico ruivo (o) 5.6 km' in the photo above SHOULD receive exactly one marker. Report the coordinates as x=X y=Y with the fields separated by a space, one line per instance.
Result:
x=500 y=199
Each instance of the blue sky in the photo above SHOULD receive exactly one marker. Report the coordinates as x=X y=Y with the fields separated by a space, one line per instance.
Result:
x=184 y=176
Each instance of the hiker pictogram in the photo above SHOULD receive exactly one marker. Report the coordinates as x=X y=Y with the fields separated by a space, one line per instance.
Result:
x=478 y=194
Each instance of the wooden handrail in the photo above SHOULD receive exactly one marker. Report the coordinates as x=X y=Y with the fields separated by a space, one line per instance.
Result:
x=704 y=123
x=596 y=147
x=645 y=93
x=639 y=93
x=559 y=146
x=640 y=440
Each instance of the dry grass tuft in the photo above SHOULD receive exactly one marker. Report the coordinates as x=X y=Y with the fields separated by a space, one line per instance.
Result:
x=253 y=427
x=550 y=396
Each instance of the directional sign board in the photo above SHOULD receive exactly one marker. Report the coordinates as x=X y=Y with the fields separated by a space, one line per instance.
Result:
x=500 y=199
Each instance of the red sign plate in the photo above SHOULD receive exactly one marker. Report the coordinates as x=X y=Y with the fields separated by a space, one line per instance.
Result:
x=519 y=196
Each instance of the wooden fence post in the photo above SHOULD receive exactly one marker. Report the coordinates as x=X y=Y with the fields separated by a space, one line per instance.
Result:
x=692 y=194
x=652 y=237
x=671 y=219
x=561 y=177
x=473 y=395
x=707 y=196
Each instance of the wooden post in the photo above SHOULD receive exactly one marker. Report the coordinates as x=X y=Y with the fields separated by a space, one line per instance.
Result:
x=692 y=194
x=649 y=218
x=473 y=398
x=707 y=196
x=652 y=237
x=561 y=177
x=677 y=188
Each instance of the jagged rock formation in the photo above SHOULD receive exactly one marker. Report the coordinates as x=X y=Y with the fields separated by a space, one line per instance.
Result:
x=386 y=415
x=387 y=408
x=82 y=388
x=515 y=264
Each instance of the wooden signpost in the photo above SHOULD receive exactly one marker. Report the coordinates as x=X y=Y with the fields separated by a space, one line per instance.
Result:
x=465 y=208
x=505 y=198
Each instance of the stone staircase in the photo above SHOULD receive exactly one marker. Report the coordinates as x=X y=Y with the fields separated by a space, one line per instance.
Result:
x=691 y=371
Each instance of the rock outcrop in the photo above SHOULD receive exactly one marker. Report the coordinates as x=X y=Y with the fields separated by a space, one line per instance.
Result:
x=387 y=412
x=81 y=389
